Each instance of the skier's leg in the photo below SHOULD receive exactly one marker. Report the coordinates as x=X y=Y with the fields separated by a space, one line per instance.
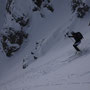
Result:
x=76 y=44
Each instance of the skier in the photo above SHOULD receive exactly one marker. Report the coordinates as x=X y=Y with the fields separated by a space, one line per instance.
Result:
x=77 y=37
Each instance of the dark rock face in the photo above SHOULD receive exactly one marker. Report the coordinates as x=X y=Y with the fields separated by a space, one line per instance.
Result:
x=12 y=40
x=8 y=6
x=80 y=7
x=21 y=20
x=39 y=4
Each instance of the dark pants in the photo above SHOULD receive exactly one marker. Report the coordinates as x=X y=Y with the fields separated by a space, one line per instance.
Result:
x=76 y=44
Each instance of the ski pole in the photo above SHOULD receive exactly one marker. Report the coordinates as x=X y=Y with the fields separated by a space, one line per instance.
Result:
x=67 y=35
x=72 y=40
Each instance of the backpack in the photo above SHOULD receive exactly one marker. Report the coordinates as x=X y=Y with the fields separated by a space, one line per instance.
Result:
x=79 y=35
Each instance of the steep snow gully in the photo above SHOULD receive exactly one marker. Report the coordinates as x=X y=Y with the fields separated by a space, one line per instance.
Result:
x=58 y=66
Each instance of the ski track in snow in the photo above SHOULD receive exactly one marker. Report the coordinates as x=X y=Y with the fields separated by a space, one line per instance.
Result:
x=46 y=68
x=26 y=80
x=48 y=85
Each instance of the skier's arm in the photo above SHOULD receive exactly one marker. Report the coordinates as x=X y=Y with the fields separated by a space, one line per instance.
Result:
x=70 y=36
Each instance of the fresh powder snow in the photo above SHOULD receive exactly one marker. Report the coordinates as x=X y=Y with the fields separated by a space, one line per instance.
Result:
x=58 y=66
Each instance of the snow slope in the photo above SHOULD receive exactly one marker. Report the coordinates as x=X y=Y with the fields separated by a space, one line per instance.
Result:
x=58 y=67
x=2 y=12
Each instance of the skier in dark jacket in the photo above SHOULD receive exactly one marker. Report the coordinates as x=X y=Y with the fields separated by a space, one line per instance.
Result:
x=77 y=37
